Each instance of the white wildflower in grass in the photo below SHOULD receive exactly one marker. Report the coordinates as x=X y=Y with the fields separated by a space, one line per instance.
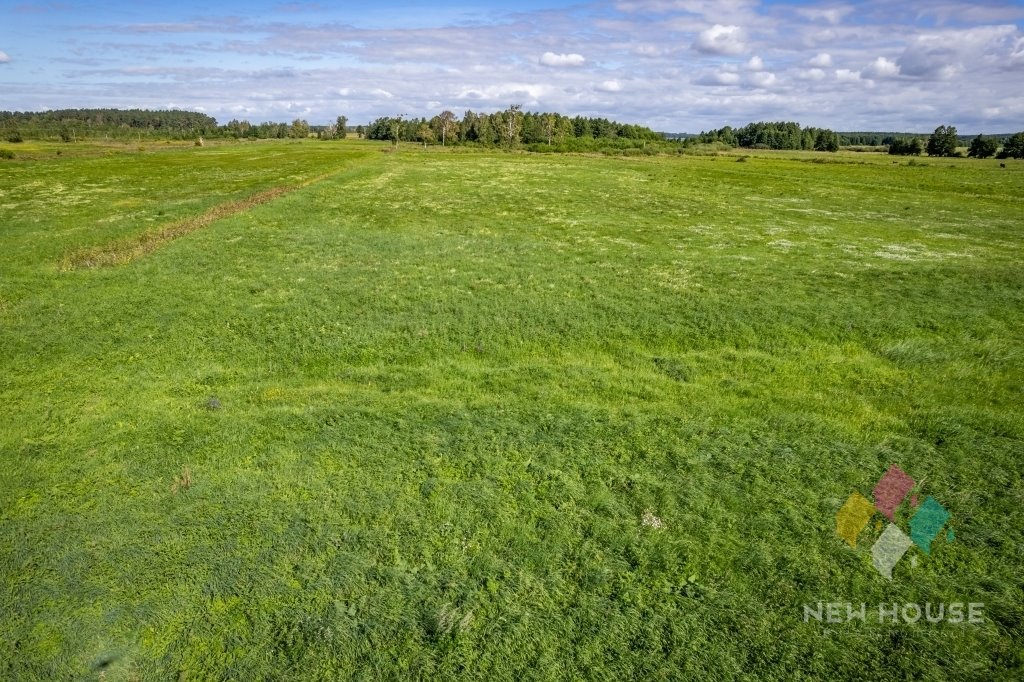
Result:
x=651 y=520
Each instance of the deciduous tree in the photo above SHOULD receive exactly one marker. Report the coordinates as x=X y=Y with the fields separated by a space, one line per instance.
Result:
x=1014 y=147
x=395 y=126
x=300 y=128
x=448 y=125
x=513 y=121
x=826 y=141
x=943 y=141
x=982 y=147
x=549 y=125
x=425 y=133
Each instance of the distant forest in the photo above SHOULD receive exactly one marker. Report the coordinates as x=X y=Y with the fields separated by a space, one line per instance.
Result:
x=777 y=135
x=511 y=127
x=77 y=124
x=789 y=135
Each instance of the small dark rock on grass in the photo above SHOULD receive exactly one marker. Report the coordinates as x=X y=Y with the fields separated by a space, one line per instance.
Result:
x=213 y=403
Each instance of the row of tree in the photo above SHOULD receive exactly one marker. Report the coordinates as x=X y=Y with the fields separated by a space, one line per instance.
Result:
x=906 y=146
x=774 y=135
x=506 y=128
x=945 y=140
x=982 y=147
x=299 y=128
x=510 y=127
x=79 y=124
x=75 y=124
x=789 y=135
x=876 y=139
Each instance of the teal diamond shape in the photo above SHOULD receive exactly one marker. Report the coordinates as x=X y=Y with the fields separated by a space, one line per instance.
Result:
x=927 y=522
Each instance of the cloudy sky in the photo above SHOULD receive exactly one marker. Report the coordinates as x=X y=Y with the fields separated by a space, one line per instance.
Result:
x=676 y=65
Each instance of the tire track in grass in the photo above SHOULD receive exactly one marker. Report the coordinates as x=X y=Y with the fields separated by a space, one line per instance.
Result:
x=128 y=249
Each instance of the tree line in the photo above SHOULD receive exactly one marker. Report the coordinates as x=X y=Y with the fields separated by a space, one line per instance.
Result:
x=70 y=125
x=510 y=127
x=773 y=135
x=884 y=139
x=944 y=141
x=76 y=124
x=789 y=135
x=299 y=129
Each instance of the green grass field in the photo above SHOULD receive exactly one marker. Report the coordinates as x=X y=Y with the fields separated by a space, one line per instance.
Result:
x=491 y=416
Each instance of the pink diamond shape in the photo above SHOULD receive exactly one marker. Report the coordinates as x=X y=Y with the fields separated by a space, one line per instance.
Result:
x=891 y=489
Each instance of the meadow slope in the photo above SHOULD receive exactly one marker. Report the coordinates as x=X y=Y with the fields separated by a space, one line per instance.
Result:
x=494 y=416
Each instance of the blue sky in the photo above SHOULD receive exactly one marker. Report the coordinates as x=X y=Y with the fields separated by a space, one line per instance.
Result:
x=679 y=65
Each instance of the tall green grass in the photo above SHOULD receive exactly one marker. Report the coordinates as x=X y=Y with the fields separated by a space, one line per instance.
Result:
x=498 y=416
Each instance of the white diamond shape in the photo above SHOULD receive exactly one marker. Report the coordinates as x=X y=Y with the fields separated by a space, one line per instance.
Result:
x=890 y=547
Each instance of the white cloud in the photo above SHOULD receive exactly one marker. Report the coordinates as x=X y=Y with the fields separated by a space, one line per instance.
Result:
x=552 y=59
x=755 y=63
x=719 y=39
x=847 y=76
x=973 y=12
x=945 y=54
x=648 y=50
x=714 y=11
x=929 y=62
x=822 y=60
x=610 y=86
x=528 y=94
x=830 y=15
x=810 y=74
x=1017 y=56
x=721 y=77
x=882 y=68
x=762 y=79
x=4 y=58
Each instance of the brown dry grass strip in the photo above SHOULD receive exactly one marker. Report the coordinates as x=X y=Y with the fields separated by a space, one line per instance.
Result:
x=126 y=250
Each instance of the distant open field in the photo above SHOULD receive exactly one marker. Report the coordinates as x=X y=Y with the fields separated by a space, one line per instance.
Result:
x=308 y=410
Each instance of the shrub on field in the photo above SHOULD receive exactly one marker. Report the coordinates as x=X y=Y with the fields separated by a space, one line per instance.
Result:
x=14 y=137
x=906 y=147
x=6 y=154
x=709 y=149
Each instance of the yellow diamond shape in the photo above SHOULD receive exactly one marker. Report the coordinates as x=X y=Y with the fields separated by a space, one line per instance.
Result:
x=852 y=517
